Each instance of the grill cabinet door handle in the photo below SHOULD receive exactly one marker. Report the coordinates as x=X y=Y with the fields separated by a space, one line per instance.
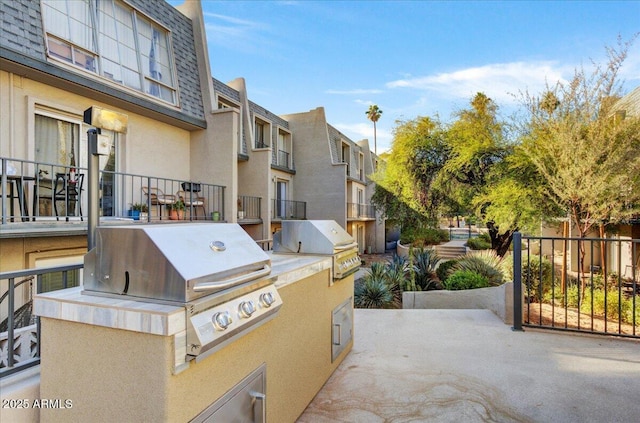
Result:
x=337 y=340
x=226 y=283
x=259 y=407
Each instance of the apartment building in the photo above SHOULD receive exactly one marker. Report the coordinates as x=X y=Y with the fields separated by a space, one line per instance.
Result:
x=143 y=59
x=265 y=163
x=290 y=169
x=332 y=177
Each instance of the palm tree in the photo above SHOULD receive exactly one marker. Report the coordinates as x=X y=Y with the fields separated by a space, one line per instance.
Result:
x=373 y=114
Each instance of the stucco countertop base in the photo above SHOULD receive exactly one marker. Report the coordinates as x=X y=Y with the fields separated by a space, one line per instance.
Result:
x=157 y=319
x=133 y=354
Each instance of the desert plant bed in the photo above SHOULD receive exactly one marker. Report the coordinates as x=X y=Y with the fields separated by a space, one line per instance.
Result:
x=542 y=314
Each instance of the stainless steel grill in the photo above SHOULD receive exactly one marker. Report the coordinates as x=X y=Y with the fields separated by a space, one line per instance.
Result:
x=216 y=271
x=321 y=237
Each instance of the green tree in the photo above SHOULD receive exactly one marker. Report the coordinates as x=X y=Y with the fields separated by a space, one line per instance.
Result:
x=476 y=165
x=587 y=155
x=405 y=185
x=373 y=114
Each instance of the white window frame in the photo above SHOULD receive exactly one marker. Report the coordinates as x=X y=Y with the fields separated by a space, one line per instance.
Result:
x=164 y=88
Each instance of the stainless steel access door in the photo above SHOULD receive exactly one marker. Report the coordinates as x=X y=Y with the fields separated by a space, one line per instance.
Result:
x=244 y=403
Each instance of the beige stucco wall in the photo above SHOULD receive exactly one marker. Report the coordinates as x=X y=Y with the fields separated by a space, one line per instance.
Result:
x=21 y=253
x=498 y=299
x=115 y=375
x=149 y=147
x=319 y=182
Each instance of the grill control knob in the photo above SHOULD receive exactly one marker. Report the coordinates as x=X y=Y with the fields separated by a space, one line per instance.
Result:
x=246 y=309
x=267 y=299
x=221 y=320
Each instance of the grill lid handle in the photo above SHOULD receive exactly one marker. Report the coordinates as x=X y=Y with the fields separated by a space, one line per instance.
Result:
x=346 y=247
x=226 y=283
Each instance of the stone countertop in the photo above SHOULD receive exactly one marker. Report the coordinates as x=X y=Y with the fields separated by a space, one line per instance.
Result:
x=157 y=319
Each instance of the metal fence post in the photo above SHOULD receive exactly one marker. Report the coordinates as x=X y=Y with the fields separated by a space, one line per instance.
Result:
x=517 y=281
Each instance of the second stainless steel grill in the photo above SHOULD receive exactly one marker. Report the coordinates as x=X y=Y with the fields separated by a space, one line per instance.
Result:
x=322 y=237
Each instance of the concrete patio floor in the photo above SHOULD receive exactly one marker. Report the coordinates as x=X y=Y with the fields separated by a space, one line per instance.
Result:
x=468 y=366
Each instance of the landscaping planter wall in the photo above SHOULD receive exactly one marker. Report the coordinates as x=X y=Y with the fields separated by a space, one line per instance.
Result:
x=498 y=299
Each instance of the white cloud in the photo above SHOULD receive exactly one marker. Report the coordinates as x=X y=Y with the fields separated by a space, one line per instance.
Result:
x=499 y=81
x=234 y=33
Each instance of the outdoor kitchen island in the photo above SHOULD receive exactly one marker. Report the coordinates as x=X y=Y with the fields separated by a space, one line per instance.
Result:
x=123 y=360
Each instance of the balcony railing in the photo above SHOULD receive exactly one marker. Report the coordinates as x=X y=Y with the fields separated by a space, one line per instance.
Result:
x=289 y=210
x=284 y=160
x=249 y=208
x=19 y=328
x=34 y=191
x=360 y=211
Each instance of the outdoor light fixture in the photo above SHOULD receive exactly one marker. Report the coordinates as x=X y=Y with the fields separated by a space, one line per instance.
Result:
x=99 y=118
x=106 y=119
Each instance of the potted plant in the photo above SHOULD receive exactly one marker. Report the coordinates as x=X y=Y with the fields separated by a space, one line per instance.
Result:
x=138 y=211
x=177 y=210
x=240 y=210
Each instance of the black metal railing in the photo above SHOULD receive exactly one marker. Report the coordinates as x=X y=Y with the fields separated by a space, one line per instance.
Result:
x=360 y=211
x=289 y=210
x=577 y=284
x=284 y=159
x=35 y=191
x=19 y=328
x=249 y=208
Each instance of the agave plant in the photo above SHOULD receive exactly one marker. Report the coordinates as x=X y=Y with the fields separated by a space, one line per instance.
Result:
x=374 y=292
x=484 y=262
x=423 y=269
x=398 y=262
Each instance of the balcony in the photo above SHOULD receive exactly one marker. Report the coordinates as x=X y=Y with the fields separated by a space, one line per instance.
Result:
x=249 y=209
x=34 y=192
x=357 y=211
x=19 y=329
x=289 y=210
x=284 y=161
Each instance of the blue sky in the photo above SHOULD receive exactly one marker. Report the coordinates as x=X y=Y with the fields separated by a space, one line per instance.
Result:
x=412 y=58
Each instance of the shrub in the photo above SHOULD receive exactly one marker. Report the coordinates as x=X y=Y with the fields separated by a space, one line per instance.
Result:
x=537 y=277
x=478 y=243
x=398 y=262
x=465 y=279
x=485 y=263
x=380 y=288
x=423 y=268
x=373 y=293
x=445 y=269
x=421 y=237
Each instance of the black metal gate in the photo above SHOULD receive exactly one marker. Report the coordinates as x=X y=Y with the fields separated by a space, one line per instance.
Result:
x=577 y=284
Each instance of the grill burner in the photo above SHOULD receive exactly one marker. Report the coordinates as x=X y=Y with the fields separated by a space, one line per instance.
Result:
x=215 y=270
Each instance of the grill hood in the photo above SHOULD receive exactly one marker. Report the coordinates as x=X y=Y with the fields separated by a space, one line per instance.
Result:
x=172 y=262
x=312 y=237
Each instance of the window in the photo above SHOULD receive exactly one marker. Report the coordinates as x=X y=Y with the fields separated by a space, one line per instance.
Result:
x=58 y=280
x=58 y=148
x=345 y=157
x=110 y=39
x=361 y=166
x=284 y=157
x=281 y=199
x=261 y=134
x=57 y=141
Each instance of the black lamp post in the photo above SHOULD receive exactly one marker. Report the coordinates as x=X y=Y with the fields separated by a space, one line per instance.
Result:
x=99 y=118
